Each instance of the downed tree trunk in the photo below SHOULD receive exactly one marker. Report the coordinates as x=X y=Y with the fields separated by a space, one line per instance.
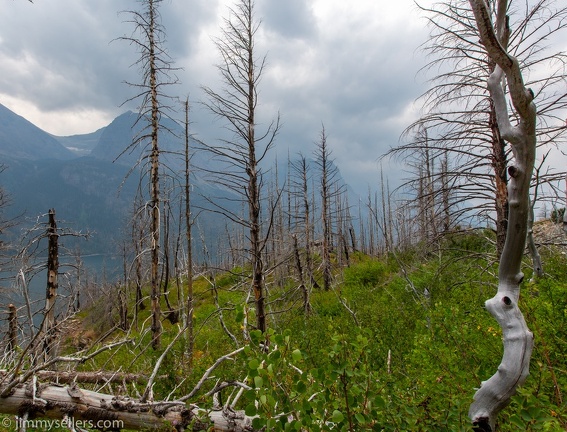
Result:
x=61 y=377
x=102 y=410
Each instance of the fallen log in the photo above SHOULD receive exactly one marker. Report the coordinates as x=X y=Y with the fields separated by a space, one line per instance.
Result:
x=62 y=377
x=66 y=404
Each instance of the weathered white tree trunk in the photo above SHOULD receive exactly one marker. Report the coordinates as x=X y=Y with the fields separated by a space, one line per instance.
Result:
x=495 y=393
x=57 y=402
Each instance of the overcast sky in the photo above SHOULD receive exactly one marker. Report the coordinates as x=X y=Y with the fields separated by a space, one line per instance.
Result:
x=352 y=66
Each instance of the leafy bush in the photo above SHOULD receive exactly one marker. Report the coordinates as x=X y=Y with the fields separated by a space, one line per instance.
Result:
x=368 y=273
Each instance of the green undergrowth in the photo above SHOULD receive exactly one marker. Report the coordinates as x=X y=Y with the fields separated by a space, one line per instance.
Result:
x=400 y=343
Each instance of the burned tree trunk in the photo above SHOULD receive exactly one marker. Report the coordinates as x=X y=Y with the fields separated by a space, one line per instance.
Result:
x=299 y=267
x=189 y=239
x=12 y=328
x=325 y=185
x=52 y=285
x=243 y=154
x=499 y=162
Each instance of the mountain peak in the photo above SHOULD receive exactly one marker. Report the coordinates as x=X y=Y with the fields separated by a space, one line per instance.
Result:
x=21 y=139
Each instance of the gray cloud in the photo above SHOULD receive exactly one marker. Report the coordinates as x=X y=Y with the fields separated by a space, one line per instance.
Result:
x=289 y=19
x=355 y=74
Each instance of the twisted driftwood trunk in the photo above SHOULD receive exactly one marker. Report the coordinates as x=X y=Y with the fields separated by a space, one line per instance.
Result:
x=495 y=393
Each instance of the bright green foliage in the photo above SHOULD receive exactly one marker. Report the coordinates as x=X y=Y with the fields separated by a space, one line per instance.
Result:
x=407 y=356
x=415 y=360
x=367 y=273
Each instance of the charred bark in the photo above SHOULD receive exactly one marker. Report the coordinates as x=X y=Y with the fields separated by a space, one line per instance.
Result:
x=49 y=324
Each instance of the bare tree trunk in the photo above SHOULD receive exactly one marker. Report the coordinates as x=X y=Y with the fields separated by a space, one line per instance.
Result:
x=254 y=196
x=323 y=161
x=172 y=314
x=299 y=267
x=12 y=328
x=422 y=203
x=431 y=223
x=138 y=239
x=123 y=293
x=446 y=193
x=307 y=221
x=52 y=285
x=362 y=236
x=156 y=68
x=241 y=73
x=189 y=239
x=154 y=183
x=387 y=225
x=495 y=393
x=123 y=307
x=532 y=248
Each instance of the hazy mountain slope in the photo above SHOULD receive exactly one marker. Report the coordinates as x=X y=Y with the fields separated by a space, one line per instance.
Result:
x=83 y=192
x=21 y=139
x=91 y=193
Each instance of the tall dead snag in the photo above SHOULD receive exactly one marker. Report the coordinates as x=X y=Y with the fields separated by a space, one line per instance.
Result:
x=156 y=68
x=329 y=189
x=299 y=183
x=188 y=227
x=52 y=285
x=244 y=152
x=303 y=287
x=495 y=393
x=154 y=179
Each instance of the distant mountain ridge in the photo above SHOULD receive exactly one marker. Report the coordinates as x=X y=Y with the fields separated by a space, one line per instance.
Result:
x=80 y=176
x=91 y=180
x=21 y=139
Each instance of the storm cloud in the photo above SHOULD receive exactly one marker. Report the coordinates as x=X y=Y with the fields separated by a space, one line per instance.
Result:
x=352 y=67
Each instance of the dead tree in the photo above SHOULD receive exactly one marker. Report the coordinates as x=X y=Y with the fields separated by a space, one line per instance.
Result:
x=22 y=395
x=329 y=189
x=495 y=393
x=300 y=184
x=459 y=114
x=52 y=285
x=49 y=326
x=12 y=329
x=189 y=239
x=138 y=241
x=302 y=286
x=244 y=151
x=157 y=69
